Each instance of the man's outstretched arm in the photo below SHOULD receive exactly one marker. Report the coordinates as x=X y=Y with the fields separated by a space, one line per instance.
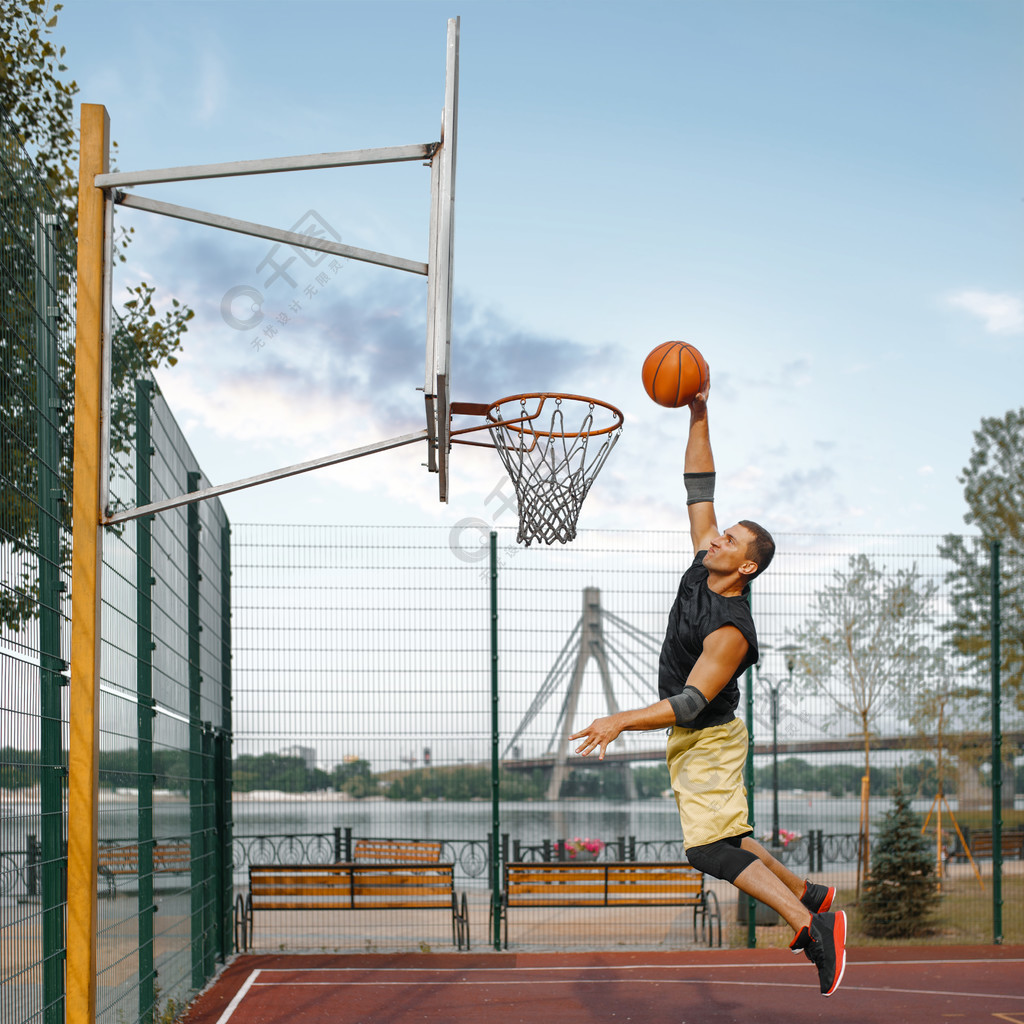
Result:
x=699 y=477
x=722 y=655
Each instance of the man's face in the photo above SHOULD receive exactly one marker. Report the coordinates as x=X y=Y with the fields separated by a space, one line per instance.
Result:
x=728 y=551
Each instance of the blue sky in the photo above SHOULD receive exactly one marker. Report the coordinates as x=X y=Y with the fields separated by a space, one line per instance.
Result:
x=825 y=196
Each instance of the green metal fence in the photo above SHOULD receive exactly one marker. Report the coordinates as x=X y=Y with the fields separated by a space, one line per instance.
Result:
x=164 y=882
x=363 y=661
x=36 y=264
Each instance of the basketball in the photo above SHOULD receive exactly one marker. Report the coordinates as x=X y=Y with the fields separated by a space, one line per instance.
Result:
x=674 y=373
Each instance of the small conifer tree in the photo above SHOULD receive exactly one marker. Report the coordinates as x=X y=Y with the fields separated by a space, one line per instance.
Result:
x=901 y=894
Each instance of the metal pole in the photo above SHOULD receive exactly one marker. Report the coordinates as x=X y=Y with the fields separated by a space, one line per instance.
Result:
x=775 y=764
x=748 y=771
x=495 y=765
x=997 y=759
x=226 y=829
x=145 y=709
x=196 y=773
x=51 y=662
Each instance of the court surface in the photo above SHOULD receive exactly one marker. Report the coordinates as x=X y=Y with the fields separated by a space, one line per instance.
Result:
x=909 y=985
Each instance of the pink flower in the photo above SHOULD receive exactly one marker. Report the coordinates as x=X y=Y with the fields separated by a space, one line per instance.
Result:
x=577 y=845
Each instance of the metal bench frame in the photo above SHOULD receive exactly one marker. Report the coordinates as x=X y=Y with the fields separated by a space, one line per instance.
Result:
x=610 y=884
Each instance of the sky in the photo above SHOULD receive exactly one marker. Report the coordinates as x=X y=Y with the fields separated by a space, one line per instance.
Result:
x=823 y=196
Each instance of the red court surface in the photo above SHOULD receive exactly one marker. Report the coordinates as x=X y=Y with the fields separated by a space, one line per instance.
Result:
x=920 y=985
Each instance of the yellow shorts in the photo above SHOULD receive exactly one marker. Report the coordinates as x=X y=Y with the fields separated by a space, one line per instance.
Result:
x=706 y=766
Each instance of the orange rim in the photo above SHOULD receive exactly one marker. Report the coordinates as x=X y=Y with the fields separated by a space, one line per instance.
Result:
x=494 y=420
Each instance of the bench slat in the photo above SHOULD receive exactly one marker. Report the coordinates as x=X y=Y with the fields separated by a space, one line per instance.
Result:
x=397 y=850
x=568 y=884
x=124 y=860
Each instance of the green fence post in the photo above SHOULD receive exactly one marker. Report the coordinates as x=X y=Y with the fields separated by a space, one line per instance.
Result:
x=211 y=876
x=748 y=772
x=145 y=709
x=495 y=765
x=51 y=664
x=196 y=771
x=997 y=759
x=225 y=827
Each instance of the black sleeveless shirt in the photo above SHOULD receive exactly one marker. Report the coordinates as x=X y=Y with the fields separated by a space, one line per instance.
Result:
x=697 y=612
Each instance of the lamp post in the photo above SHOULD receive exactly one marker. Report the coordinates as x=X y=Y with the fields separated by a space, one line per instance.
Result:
x=773 y=689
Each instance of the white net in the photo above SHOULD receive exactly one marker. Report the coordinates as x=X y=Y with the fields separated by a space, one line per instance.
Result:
x=553 y=447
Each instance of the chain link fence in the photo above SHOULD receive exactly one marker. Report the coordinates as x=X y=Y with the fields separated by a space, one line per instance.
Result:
x=164 y=707
x=363 y=699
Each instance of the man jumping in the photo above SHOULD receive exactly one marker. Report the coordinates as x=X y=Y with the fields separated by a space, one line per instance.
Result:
x=709 y=644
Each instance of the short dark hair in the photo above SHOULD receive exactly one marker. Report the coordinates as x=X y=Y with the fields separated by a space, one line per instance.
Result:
x=761 y=549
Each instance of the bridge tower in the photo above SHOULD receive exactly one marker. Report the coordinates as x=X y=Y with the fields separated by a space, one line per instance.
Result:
x=591 y=645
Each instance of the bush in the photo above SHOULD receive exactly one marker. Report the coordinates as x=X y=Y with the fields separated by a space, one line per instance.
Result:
x=901 y=893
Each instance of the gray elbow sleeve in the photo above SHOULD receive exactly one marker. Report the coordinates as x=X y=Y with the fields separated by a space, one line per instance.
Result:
x=688 y=705
x=699 y=487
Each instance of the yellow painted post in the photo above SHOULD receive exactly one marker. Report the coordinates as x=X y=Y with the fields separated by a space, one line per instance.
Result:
x=87 y=561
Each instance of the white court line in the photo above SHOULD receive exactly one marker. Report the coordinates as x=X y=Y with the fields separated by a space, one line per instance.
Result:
x=239 y=996
x=654 y=981
x=617 y=967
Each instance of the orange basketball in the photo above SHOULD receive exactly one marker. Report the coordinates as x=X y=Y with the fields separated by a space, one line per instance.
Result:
x=674 y=373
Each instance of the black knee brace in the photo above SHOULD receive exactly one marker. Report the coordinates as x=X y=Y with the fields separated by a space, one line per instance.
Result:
x=724 y=858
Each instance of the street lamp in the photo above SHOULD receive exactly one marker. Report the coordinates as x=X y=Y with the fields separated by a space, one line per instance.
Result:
x=773 y=689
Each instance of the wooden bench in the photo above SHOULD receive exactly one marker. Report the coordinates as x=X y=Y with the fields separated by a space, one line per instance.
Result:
x=611 y=884
x=981 y=845
x=397 y=851
x=173 y=857
x=350 y=886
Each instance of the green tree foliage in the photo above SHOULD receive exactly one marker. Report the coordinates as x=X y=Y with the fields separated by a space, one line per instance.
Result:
x=919 y=778
x=39 y=103
x=38 y=174
x=466 y=782
x=901 y=893
x=993 y=483
x=651 y=780
x=272 y=771
x=354 y=778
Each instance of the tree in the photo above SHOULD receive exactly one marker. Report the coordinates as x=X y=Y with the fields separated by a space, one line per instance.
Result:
x=355 y=778
x=993 y=483
x=901 y=893
x=38 y=173
x=39 y=104
x=864 y=651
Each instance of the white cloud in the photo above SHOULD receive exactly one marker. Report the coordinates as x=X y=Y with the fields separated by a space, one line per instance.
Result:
x=999 y=312
x=211 y=86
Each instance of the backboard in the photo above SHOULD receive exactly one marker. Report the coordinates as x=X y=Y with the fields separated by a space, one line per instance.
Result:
x=437 y=381
x=438 y=271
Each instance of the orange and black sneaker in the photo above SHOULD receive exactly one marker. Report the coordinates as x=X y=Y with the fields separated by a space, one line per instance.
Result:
x=818 y=898
x=824 y=942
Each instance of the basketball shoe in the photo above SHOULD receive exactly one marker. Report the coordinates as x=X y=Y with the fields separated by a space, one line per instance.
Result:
x=818 y=898
x=824 y=942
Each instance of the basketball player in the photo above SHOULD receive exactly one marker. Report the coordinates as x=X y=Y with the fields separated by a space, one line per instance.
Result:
x=710 y=642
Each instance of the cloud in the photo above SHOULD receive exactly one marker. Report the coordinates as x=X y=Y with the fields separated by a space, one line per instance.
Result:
x=1000 y=313
x=350 y=365
x=211 y=86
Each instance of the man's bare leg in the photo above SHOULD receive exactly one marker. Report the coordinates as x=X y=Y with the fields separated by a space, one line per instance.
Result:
x=759 y=881
x=794 y=883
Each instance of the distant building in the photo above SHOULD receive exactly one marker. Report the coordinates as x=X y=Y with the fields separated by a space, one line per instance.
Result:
x=306 y=754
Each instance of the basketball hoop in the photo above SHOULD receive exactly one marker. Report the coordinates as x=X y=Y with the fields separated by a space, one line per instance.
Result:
x=553 y=447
